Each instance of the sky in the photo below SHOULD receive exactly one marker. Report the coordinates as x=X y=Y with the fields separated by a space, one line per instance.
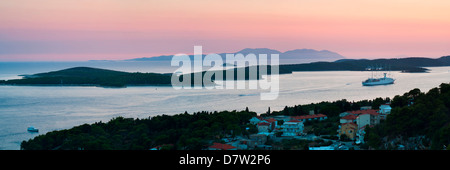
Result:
x=78 y=30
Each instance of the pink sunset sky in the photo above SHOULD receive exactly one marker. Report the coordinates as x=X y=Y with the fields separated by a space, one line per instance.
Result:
x=74 y=30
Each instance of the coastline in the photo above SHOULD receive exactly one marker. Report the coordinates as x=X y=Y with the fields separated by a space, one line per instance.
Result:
x=240 y=121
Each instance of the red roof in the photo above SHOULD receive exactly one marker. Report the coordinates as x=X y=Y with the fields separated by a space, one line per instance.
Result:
x=309 y=116
x=222 y=146
x=361 y=112
x=160 y=146
x=271 y=120
x=349 y=117
x=294 y=120
x=263 y=124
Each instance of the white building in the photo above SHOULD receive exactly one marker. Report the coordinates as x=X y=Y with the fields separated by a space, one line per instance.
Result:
x=348 y=119
x=363 y=120
x=255 y=120
x=367 y=119
x=292 y=128
x=385 y=109
x=263 y=127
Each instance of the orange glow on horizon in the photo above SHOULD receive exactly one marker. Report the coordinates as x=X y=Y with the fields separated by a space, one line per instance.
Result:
x=355 y=29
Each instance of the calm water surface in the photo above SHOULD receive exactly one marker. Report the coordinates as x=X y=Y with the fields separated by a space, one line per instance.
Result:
x=51 y=108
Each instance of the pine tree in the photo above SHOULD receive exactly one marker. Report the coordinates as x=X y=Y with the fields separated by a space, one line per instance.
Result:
x=296 y=110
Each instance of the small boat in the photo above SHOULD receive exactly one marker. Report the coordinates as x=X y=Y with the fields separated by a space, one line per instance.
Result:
x=32 y=129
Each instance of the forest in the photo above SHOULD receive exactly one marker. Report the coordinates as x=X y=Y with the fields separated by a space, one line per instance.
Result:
x=87 y=76
x=180 y=132
x=415 y=115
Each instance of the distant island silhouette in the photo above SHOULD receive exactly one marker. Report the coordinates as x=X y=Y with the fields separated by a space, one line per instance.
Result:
x=86 y=76
x=292 y=55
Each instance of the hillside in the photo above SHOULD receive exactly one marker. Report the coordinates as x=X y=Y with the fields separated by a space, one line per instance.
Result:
x=92 y=76
x=110 y=78
x=418 y=120
x=87 y=76
x=181 y=132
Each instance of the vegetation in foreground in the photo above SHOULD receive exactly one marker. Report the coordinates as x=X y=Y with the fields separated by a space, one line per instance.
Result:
x=419 y=120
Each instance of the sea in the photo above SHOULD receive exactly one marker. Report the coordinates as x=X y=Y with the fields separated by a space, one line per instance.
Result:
x=50 y=108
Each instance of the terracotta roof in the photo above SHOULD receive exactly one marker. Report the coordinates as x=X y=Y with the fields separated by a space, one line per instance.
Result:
x=360 y=112
x=270 y=120
x=160 y=146
x=309 y=116
x=222 y=146
x=263 y=124
x=349 y=117
x=294 y=120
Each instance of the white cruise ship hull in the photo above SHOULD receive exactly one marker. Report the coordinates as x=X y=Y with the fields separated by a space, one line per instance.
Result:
x=376 y=82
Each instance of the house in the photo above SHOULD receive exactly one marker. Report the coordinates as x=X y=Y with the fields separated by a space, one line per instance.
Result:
x=365 y=108
x=263 y=126
x=363 y=120
x=348 y=119
x=354 y=122
x=359 y=112
x=220 y=146
x=371 y=118
x=385 y=109
x=255 y=120
x=310 y=117
x=360 y=134
x=292 y=128
x=282 y=117
x=273 y=123
x=260 y=121
x=343 y=114
x=349 y=130
x=163 y=147
x=361 y=117
x=256 y=139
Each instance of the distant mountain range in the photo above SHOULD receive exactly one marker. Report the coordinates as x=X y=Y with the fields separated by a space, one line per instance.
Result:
x=292 y=56
x=85 y=76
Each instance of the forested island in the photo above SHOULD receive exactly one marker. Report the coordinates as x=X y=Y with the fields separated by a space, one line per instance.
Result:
x=419 y=119
x=86 y=76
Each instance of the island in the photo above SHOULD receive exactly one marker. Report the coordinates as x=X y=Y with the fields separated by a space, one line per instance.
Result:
x=86 y=76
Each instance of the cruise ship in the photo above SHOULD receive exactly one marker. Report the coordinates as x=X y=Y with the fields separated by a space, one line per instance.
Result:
x=378 y=81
